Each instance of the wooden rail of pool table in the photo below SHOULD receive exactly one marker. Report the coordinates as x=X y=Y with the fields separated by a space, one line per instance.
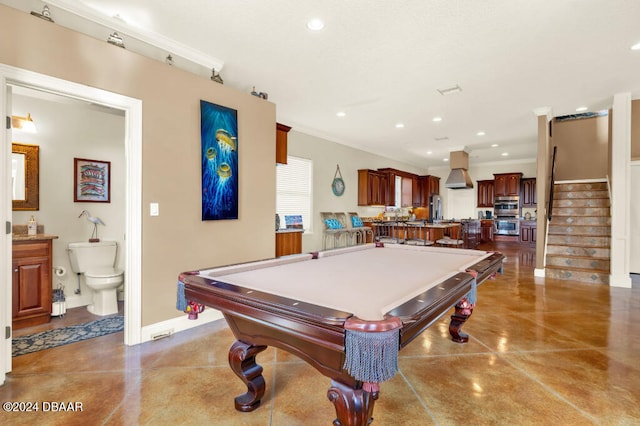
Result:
x=316 y=334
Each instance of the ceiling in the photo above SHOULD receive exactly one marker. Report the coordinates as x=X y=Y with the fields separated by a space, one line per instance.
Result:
x=382 y=62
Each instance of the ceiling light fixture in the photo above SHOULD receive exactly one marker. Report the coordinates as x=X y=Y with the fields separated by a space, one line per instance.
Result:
x=115 y=39
x=636 y=46
x=445 y=160
x=399 y=126
x=45 y=14
x=145 y=35
x=315 y=24
x=480 y=133
x=505 y=154
x=429 y=152
x=25 y=124
x=581 y=109
x=450 y=90
x=494 y=145
x=436 y=119
x=341 y=114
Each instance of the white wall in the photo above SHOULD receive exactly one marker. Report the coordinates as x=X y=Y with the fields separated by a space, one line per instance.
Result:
x=634 y=263
x=68 y=130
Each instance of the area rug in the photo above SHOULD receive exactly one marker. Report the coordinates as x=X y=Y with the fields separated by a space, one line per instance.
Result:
x=63 y=336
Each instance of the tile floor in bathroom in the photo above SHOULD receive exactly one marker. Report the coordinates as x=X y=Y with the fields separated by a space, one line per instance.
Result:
x=541 y=352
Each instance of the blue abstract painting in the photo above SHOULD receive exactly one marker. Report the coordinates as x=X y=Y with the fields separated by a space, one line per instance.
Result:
x=219 y=141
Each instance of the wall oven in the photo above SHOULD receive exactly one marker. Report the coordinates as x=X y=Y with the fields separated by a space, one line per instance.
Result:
x=504 y=226
x=506 y=206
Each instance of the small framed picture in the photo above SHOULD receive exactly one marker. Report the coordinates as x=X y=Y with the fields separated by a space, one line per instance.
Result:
x=91 y=181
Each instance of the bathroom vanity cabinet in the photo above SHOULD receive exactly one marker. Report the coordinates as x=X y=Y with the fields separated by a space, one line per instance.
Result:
x=32 y=281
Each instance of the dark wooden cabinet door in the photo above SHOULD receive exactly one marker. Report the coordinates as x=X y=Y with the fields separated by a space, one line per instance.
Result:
x=485 y=193
x=507 y=184
x=528 y=193
x=31 y=283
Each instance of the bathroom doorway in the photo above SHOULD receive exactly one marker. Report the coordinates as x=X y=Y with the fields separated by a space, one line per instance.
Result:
x=131 y=110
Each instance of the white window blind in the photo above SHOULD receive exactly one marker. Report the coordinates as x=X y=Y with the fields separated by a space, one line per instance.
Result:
x=293 y=190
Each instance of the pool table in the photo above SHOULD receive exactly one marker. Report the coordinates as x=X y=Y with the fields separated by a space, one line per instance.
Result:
x=333 y=307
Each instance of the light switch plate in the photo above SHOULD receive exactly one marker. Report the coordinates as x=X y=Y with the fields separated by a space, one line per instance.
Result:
x=154 y=209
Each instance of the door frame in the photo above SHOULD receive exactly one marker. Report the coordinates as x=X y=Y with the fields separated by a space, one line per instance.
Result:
x=133 y=210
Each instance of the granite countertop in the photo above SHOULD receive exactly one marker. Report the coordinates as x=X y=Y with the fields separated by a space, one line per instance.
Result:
x=25 y=237
x=285 y=230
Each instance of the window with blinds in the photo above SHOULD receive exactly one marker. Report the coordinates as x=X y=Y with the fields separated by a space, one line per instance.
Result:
x=293 y=190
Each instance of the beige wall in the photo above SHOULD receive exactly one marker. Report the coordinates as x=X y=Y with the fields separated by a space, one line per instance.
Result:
x=177 y=240
x=326 y=155
x=583 y=148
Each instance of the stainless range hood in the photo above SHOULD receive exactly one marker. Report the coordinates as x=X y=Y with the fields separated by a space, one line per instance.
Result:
x=459 y=177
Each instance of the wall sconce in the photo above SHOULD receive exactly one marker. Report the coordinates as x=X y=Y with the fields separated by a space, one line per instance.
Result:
x=45 y=14
x=25 y=124
x=116 y=40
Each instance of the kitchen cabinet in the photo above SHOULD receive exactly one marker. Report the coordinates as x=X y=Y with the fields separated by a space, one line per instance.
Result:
x=282 y=134
x=528 y=196
x=288 y=242
x=427 y=186
x=506 y=184
x=372 y=188
x=485 y=193
x=31 y=282
x=486 y=231
x=528 y=230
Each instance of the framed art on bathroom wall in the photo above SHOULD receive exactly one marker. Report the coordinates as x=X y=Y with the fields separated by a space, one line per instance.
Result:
x=91 y=181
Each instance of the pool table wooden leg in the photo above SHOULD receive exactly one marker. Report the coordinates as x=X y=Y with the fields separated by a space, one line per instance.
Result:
x=354 y=407
x=242 y=359
x=462 y=313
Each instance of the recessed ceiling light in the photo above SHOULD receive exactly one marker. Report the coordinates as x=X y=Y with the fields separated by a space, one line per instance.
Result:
x=429 y=152
x=315 y=24
x=636 y=46
x=505 y=154
x=445 y=159
x=441 y=138
x=437 y=119
x=581 y=109
x=494 y=145
x=399 y=125
x=480 y=133
x=341 y=114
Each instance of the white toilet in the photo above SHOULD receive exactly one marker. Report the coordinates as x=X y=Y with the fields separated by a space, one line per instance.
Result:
x=97 y=262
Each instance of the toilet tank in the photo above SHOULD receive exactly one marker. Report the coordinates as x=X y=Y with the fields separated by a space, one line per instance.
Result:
x=86 y=256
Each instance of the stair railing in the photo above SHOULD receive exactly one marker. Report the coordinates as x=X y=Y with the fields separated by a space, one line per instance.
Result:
x=553 y=169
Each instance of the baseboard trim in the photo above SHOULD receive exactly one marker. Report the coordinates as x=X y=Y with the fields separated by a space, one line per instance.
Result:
x=618 y=280
x=539 y=272
x=175 y=325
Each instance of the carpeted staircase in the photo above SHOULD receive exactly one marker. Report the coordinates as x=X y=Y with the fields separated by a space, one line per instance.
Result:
x=579 y=239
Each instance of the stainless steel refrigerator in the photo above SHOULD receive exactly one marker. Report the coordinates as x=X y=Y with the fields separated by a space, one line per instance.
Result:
x=435 y=208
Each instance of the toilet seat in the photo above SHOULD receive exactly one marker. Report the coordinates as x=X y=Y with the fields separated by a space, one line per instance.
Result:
x=103 y=273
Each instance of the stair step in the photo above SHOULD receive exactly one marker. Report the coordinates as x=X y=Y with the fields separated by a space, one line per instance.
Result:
x=578 y=250
x=584 y=230
x=579 y=220
x=577 y=240
x=581 y=202
x=582 y=262
x=586 y=186
x=580 y=211
x=569 y=195
x=596 y=277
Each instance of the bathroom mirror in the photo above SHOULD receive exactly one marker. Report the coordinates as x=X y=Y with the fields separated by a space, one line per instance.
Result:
x=24 y=176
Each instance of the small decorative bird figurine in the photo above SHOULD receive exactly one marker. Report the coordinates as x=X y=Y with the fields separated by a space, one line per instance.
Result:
x=96 y=221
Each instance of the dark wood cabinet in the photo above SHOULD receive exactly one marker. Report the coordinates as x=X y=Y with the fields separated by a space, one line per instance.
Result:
x=506 y=184
x=528 y=230
x=372 y=188
x=485 y=193
x=31 y=282
x=486 y=231
x=282 y=134
x=528 y=196
x=428 y=186
x=288 y=242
